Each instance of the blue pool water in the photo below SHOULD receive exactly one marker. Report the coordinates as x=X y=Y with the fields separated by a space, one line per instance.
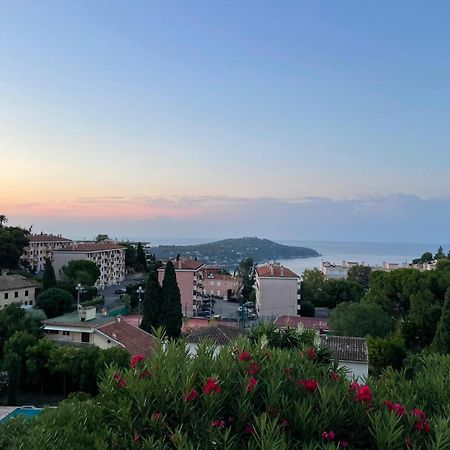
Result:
x=28 y=413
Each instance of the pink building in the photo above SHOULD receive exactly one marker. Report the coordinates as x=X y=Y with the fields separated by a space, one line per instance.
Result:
x=219 y=285
x=189 y=279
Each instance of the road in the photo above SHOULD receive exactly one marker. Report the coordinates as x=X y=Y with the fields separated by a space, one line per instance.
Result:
x=112 y=300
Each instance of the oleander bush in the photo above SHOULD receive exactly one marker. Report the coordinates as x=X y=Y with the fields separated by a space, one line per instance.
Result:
x=249 y=396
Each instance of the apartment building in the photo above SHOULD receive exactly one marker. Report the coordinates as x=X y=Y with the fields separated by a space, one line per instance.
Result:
x=190 y=282
x=40 y=248
x=109 y=257
x=277 y=290
x=16 y=289
x=219 y=285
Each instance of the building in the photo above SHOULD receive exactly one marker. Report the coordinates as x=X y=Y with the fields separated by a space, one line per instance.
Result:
x=87 y=327
x=277 y=290
x=309 y=323
x=40 y=248
x=109 y=257
x=218 y=285
x=190 y=282
x=350 y=352
x=16 y=289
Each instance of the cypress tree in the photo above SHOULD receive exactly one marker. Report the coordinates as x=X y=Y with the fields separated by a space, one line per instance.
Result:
x=141 y=261
x=152 y=302
x=171 y=316
x=49 y=278
x=441 y=342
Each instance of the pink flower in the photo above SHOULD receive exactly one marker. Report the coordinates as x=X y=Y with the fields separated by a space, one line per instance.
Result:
x=354 y=386
x=252 y=382
x=245 y=356
x=217 y=423
x=364 y=394
x=335 y=376
x=418 y=413
x=249 y=429
x=211 y=385
x=135 y=360
x=253 y=369
x=329 y=435
x=310 y=385
x=396 y=407
x=311 y=353
x=193 y=395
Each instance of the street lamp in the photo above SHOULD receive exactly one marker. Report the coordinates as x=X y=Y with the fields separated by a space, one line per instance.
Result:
x=139 y=291
x=78 y=288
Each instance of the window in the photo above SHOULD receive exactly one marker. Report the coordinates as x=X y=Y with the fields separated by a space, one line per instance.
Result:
x=6 y=296
x=66 y=333
x=26 y=293
x=51 y=331
x=85 y=337
x=16 y=294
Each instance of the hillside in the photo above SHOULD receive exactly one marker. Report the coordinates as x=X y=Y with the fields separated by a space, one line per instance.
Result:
x=229 y=252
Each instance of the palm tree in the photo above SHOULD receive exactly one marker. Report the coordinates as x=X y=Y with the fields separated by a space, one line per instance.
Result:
x=3 y=219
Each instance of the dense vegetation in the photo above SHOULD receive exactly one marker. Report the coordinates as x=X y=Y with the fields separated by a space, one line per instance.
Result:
x=251 y=396
x=229 y=252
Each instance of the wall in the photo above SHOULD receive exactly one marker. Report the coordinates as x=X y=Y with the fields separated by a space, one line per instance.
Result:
x=356 y=370
x=276 y=296
x=21 y=297
x=185 y=280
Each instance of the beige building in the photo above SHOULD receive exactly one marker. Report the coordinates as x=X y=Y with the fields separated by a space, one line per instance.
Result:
x=101 y=330
x=190 y=282
x=219 y=285
x=110 y=258
x=41 y=247
x=277 y=291
x=16 y=289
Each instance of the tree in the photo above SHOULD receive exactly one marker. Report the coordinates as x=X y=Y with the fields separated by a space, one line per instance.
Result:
x=360 y=319
x=171 y=316
x=384 y=353
x=440 y=254
x=102 y=238
x=38 y=357
x=360 y=274
x=126 y=301
x=307 y=309
x=49 y=278
x=141 y=261
x=13 y=240
x=441 y=342
x=427 y=257
x=339 y=291
x=152 y=302
x=312 y=287
x=3 y=219
x=81 y=271
x=130 y=254
x=55 y=302
x=246 y=271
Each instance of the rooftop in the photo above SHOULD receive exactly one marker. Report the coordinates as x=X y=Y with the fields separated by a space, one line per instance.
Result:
x=73 y=319
x=275 y=271
x=134 y=340
x=47 y=238
x=313 y=323
x=91 y=247
x=9 y=282
x=219 y=335
x=345 y=348
x=186 y=264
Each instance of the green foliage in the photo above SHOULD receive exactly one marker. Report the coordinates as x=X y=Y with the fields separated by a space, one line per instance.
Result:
x=170 y=315
x=307 y=309
x=130 y=254
x=247 y=272
x=126 y=301
x=102 y=238
x=37 y=357
x=441 y=342
x=81 y=271
x=49 y=278
x=141 y=261
x=427 y=257
x=384 y=353
x=13 y=240
x=360 y=274
x=55 y=302
x=360 y=319
x=440 y=254
x=152 y=302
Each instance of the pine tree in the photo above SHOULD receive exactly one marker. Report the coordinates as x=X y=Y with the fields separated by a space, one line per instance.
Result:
x=141 y=260
x=171 y=316
x=441 y=342
x=152 y=302
x=49 y=278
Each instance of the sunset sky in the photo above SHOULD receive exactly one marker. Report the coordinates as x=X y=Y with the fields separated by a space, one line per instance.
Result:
x=289 y=120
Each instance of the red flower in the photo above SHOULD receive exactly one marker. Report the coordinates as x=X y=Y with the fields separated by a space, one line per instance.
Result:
x=310 y=385
x=252 y=382
x=193 y=395
x=285 y=422
x=329 y=435
x=155 y=416
x=211 y=385
x=121 y=382
x=364 y=394
x=396 y=407
x=418 y=413
x=249 y=429
x=135 y=360
x=311 y=353
x=354 y=386
x=253 y=369
x=145 y=374
x=335 y=376
x=423 y=425
x=245 y=356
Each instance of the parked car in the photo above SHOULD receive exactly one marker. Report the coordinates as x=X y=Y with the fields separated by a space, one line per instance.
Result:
x=242 y=309
x=120 y=291
x=204 y=314
x=250 y=305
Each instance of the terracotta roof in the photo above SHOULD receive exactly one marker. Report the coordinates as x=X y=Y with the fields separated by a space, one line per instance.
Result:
x=313 y=323
x=186 y=264
x=47 y=238
x=93 y=247
x=275 y=271
x=218 y=335
x=345 y=348
x=135 y=340
x=8 y=282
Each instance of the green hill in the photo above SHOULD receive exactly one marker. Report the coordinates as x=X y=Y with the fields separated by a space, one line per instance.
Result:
x=230 y=252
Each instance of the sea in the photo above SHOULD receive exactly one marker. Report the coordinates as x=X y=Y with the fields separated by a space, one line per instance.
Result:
x=370 y=253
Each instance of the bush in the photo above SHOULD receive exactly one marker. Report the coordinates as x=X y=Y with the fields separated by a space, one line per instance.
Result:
x=55 y=302
x=307 y=309
x=384 y=353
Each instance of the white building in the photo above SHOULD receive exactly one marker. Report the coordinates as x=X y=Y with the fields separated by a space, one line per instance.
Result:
x=16 y=289
x=277 y=290
x=40 y=248
x=110 y=258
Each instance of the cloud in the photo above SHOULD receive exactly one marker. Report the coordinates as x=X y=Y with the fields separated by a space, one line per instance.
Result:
x=397 y=217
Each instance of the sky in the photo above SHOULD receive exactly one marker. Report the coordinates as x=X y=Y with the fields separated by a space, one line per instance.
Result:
x=304 y=120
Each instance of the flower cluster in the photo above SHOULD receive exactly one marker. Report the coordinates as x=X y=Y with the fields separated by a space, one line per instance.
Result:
x=253 y=369
x=252 y=382
x=211 y=385
x=311 y=353
x=135 y=360
x=218 y=423
x=310 y=385
x=245 y=356
x=422 y=423
x=363 y=392
x=120 y=380
x=395 y=407
x=328 y=435
x=193 y=395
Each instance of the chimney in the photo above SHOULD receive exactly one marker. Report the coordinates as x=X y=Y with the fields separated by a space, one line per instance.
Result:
x=114 y=335
x=119 y=318
x=104 y=312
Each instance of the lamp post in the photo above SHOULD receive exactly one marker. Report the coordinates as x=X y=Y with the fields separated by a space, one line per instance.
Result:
x=78 y=288
x=140 y=291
